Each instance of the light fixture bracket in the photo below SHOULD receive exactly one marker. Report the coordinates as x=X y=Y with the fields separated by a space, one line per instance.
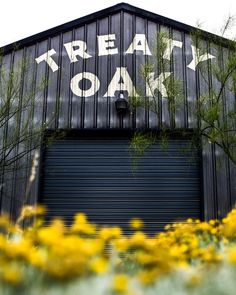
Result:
x=121 y=104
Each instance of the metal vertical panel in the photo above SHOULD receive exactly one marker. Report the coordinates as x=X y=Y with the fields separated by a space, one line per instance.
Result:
x=191 y=84
x=152 y=29
x=104 y=76
x=129 y=63
x=5 y=69
x=221 y=160
x=210 y=202
x=41 y=88
x=203 y=83
x=64 y=103
x=78 y=67
x=166 y=116
x=26 y=127
x=139 y=81
x=178 y=72
x=13 y=123
x=40 y=82
x=115 y=61
x=28 y=116
x=232 y=183
x=229 y=105
x=7 y=64
x=222 y=183
x=52 y=98
x=13 y=129
x=90 y=66
x=127 y=118
x=34 y=114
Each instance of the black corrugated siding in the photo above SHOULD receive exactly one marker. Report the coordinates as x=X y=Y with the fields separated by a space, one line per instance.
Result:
x=98 y=112
x=95 y=176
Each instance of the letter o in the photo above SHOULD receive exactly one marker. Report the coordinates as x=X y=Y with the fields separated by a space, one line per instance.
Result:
x=95 y=84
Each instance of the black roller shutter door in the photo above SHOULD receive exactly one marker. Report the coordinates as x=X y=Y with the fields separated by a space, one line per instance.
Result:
x=95 y=176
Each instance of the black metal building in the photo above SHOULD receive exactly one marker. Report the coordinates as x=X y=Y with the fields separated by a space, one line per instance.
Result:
x=87 y=63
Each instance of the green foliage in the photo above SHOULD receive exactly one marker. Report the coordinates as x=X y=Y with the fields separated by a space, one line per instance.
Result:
x=143 y=140
x=140 y=142
x=21 y=99
x=215 y=107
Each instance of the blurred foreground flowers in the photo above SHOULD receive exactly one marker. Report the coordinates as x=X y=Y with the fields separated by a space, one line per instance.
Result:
x=191 y=257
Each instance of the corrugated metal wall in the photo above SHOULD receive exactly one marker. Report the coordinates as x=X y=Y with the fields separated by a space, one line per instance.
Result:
x=98 y=112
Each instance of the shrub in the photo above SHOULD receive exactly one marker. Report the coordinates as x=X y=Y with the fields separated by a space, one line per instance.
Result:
x=190 y=257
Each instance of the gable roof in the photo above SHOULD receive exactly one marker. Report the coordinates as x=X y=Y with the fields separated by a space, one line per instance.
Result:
x=104 y=13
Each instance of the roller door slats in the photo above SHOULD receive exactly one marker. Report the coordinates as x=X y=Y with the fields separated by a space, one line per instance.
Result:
x=96 y=177
x=147 y=201
x=128 y=181
x=119 y=174
x=119 y=194
x=123 y=189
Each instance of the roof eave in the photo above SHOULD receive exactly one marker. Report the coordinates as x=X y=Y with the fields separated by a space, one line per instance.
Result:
x=103 y=13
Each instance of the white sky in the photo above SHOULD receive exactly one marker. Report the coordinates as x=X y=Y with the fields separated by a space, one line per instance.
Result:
x=23 y=18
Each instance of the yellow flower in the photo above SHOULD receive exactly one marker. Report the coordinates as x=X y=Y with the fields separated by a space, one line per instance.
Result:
x=137 y=240
x=28 y=211
x=232 y=255
x=38 y=258
x=136 y=223
x=80 y=218
x=229 y=225
x=212 y=222
x=204 y=226
x=193 y=280
x=11 y=275
x=145 y=259
x=214 y=231
x=120 y=283
x=182 y=265
x=148 y=277
x=90 y=247
x=19 y=249
x=40 y=210
x=4 y=221
x=121 y=244
x=82 y=226
x=3 y=243
x=210 y=255
x=108 y=233
x=53 y=234
x=168 y=227
x=178 y=250
x=99 y=265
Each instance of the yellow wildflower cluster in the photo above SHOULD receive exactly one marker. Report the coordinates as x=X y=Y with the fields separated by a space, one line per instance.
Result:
x=136 y=223
x=82 y=250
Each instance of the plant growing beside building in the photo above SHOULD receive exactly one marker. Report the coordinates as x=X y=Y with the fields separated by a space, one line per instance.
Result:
x=215 y=121
x=21 y=128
